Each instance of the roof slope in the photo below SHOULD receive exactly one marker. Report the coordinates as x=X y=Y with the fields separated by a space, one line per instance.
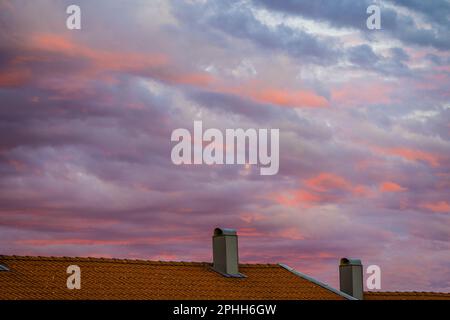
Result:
x=45 y=278
x=406 y=295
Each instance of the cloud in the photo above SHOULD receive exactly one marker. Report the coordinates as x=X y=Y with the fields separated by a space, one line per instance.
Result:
x=436 y=11
x=441 y=206
x=413 y=155
x=362 y=55
x=348 y=14
x=237 y=20
x=389 y=186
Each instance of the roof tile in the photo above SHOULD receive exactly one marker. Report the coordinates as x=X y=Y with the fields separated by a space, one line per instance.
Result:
x=45 y=278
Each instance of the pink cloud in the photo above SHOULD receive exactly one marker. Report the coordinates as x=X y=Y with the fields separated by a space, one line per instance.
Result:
x=327 y=181
x=156 y=65
x=412 y=155
x=300 y=98
x=101 y=59
x=362 y=94
x=440 y=206
x=389 y=186
x=14 y=77
x=319 y=189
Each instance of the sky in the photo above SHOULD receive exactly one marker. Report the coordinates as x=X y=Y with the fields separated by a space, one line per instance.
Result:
x=86 y=118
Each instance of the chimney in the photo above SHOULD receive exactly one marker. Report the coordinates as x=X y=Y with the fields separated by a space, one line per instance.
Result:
x=351 y=277
x=225 y=252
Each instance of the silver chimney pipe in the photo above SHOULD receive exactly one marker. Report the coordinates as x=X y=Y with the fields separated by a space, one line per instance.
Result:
x=351 y=277
x=225 y=252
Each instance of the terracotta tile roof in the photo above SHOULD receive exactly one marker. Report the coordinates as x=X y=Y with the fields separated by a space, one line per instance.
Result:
x=45 y=278
x=406 y=295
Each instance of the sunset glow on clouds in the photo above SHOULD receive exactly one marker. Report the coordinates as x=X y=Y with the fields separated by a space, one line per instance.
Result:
x=364 y=119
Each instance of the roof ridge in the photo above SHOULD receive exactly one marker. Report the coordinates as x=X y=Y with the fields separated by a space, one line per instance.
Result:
x=124 y=260
x=98 y=259
x=267 y=265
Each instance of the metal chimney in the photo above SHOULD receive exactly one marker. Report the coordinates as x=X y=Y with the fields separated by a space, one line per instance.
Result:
x=351 y=277
x=225 y=252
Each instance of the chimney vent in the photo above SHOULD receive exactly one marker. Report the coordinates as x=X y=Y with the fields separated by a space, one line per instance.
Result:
x=351 y=277
x=225 y=252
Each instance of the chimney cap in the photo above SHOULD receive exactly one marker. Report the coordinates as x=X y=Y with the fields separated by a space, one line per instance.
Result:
x=350 y=262
x=224 y=232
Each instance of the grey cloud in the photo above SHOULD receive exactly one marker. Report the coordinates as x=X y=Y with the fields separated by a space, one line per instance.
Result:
x=435 y=11
x=237 y=20
x=399 y=54
x=362 y=55
x=352 y=14
x=438 y=60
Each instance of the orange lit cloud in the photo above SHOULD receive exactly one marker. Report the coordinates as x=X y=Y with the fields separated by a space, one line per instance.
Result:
x=281 y=97
x=101 y=59
x=195 y=79
x=13 y=78
x=156 y=65
x=319 y=189
x=84 y=242
x=101 y=242
x=153 y=64
x=411 y=155
x=292 y=198
x=440 y=207
x=263 y=92
x=391 y=187
x=327 y=181
x=291 y=233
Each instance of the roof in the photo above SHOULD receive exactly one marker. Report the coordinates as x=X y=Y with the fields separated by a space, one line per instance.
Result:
x=406 y=295
x=45 y=278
